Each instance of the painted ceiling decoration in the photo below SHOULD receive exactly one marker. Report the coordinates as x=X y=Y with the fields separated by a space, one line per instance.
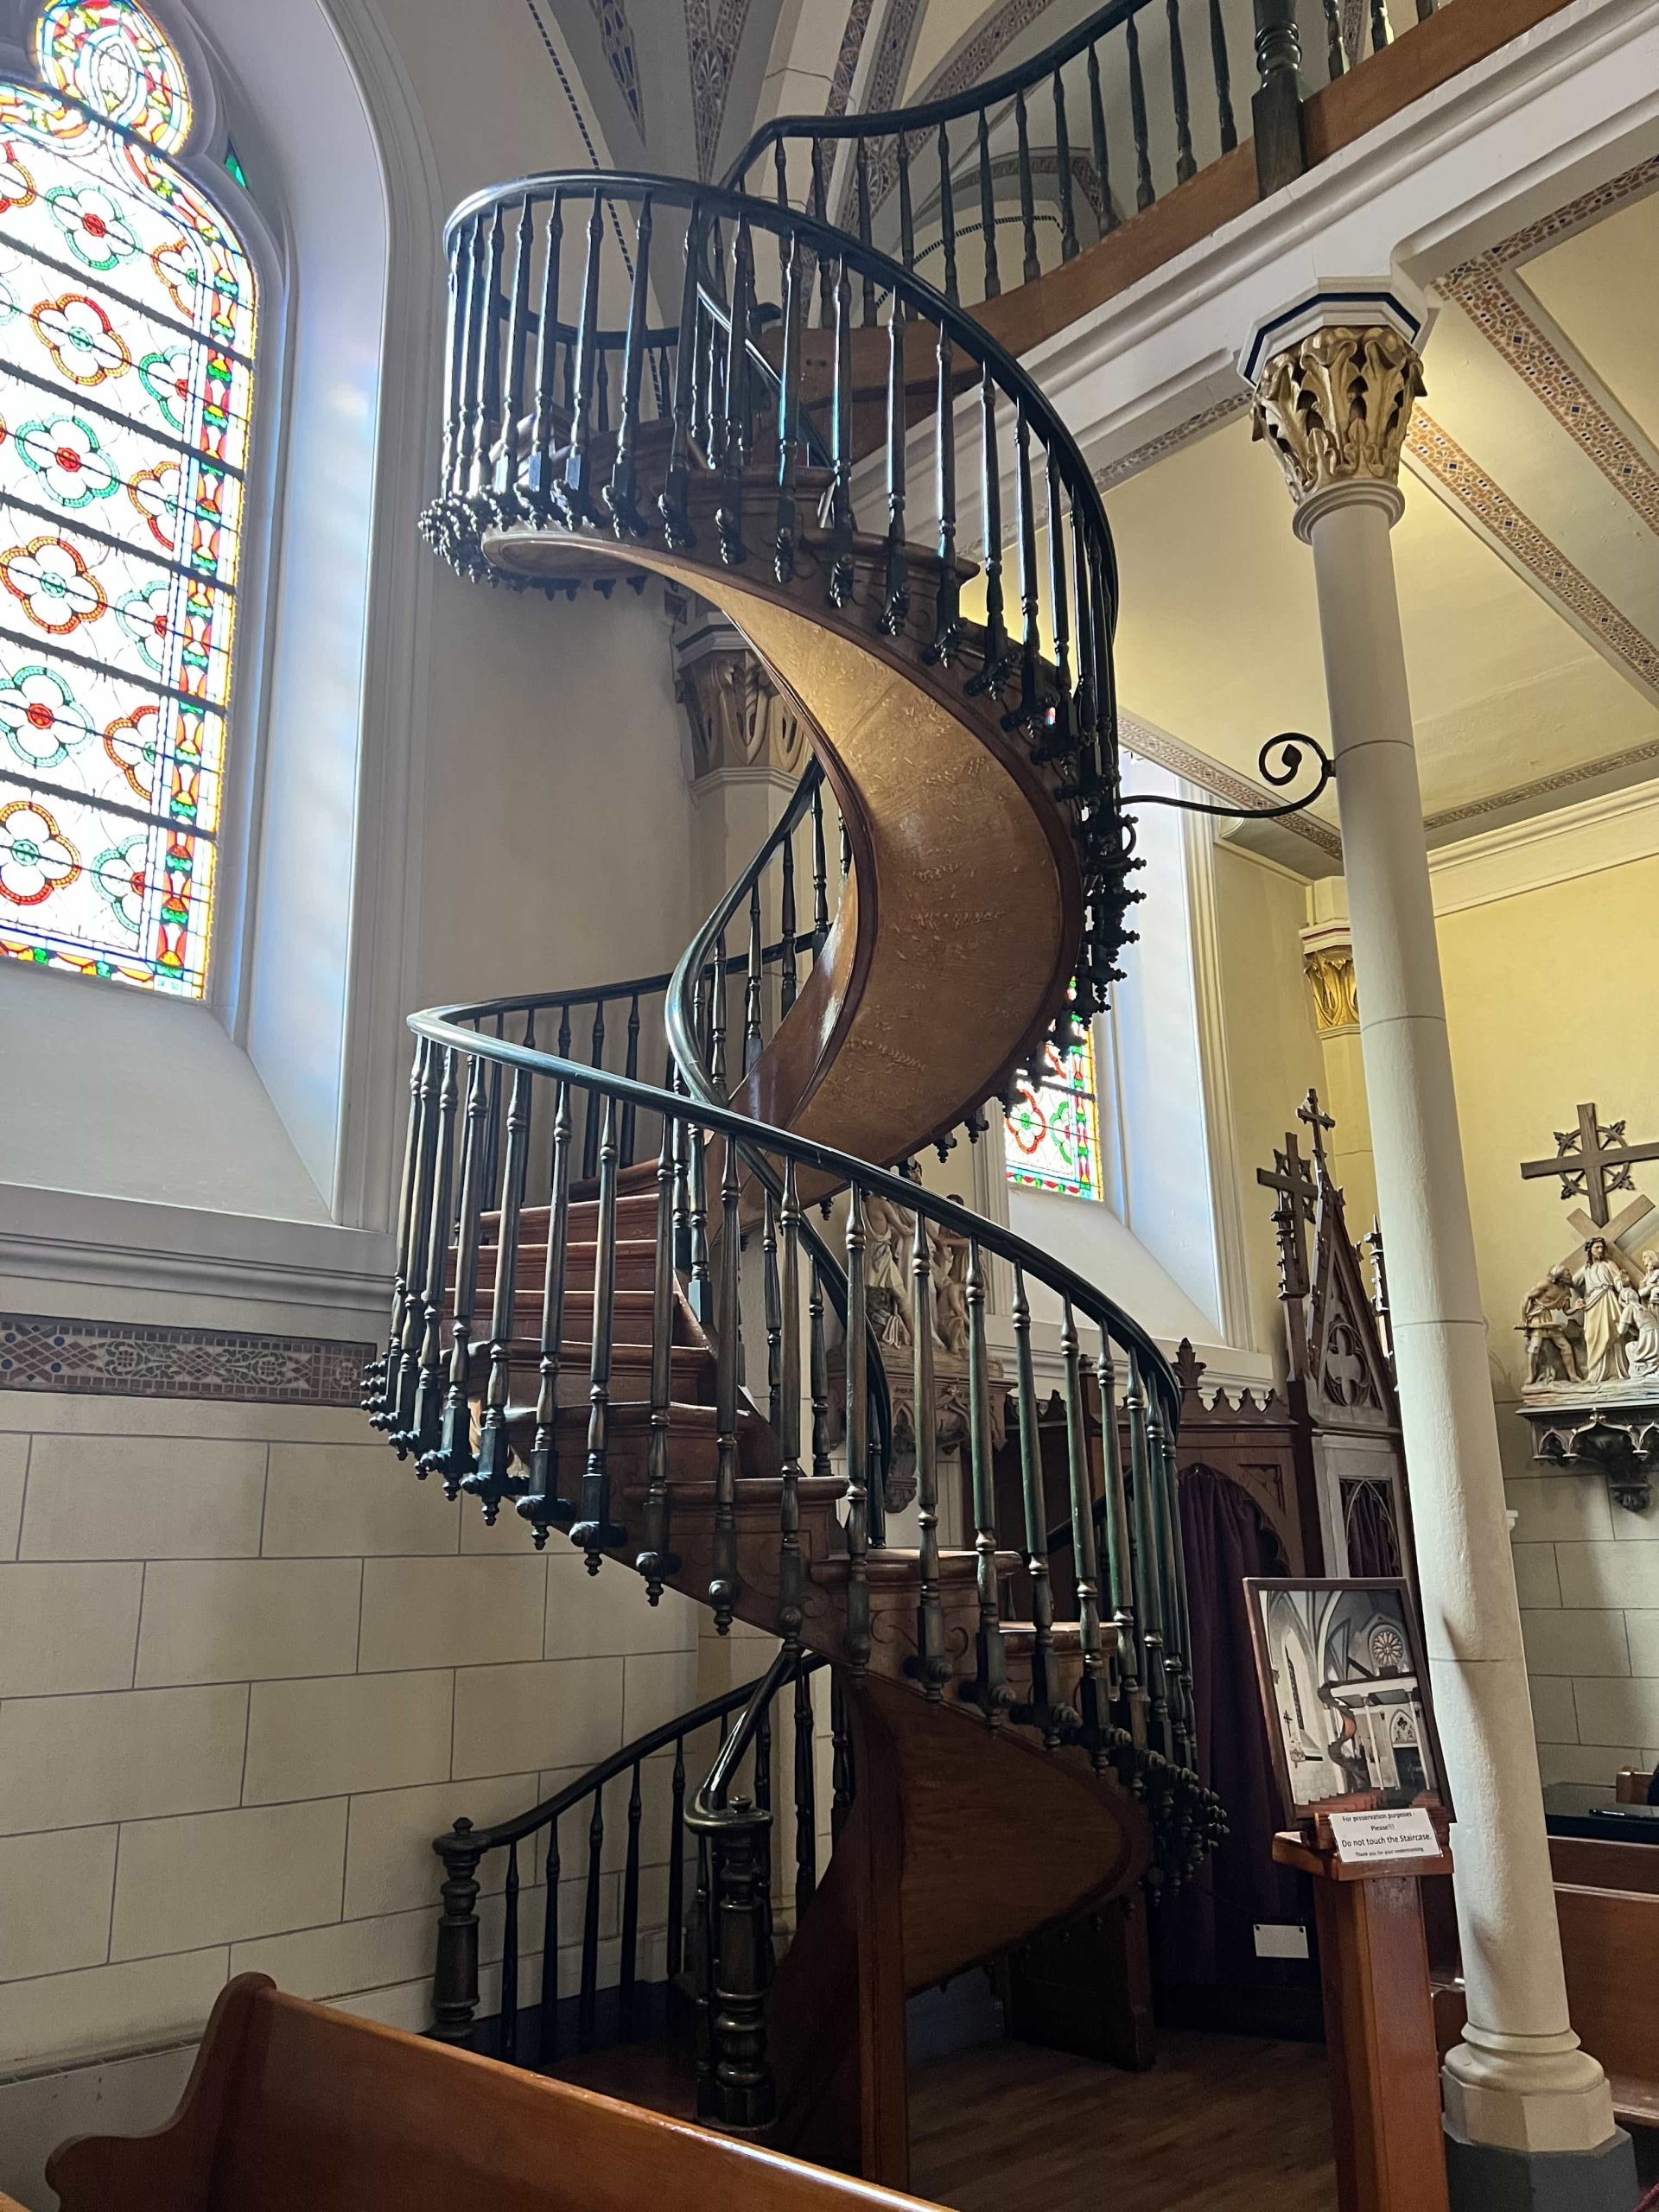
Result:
x=852 y=44
x=616 y=35
x=713 y=28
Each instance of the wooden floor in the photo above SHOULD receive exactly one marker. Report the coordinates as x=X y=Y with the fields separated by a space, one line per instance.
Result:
x=1221 y=2124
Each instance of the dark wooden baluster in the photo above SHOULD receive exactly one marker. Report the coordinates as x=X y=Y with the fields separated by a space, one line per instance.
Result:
x=723 y=1579
x=469 y=382
x=510 y=1962
x=675 y=503
x=1059 y=710
x=512 y=398
x=701 y=1281
x=587 y=1992
x=790 y=1569
x=1033 y=268
x=789 y=926
x=1149 y=1591
x=1334 y=59
x=454 y=1458
x=1097 y=139
x=1119 y=1550
x=455 y=1979
x=789 y=412
x=380 y=1377
x=753 y=992
x=1031 y=605
x=675 y=1960
x=1223 y=77
x=842 y=1779
x=630 y=1911
x=428 y=1393
x=621 y=494
x=895 y=605
x=1186 y=166
x=820 y=876
x=806 y=1795
x=997 y=665
x=657 y=1562
x=991 y=1669
x=494 y=310
x=780 y=173
x=819 y=211
x=818 y=1379
x=858 y=1441
x=631 y=1069
x=762 y=1777
x=1143 y=191
x=932 y=1662
x=451 y=445
x=595 y=1531
x=987 y=209
x=547 y=368
x=773 y=1296
x=1188 y=1743
x=948 y=219
x=492 y=1110
x=578 y=468
x=947 y=612
x=602 y=392
x=1087 y=721
x=846 y=852
x=1044 y=1712
x=841 y=525
x=907 y=213
x=490 y=1480
x=717 y=1016
x=862 y=186
x=547 y=2042
x=541 y=1505
x=735 y=444
x=702 y=1977
x=597 y=1104
x=1067 y=183
x=1096 y=1684
x=1379 y=26
x=412 y=1328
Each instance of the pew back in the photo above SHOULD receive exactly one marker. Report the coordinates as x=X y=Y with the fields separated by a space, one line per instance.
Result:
x=293 y=2108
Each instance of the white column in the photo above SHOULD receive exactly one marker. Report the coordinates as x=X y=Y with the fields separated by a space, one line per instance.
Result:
x=1334 y=404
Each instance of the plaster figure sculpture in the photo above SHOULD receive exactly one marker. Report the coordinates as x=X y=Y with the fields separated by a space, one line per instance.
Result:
x=1640 y=1321
x=1601 y=1283
x=1549 y=1317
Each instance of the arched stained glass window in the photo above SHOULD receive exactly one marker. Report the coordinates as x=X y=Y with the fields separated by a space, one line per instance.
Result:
x=1051 y=1133
x=127 y=312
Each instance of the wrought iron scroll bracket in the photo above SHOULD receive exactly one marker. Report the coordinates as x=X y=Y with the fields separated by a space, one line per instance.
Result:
x=1278 y=763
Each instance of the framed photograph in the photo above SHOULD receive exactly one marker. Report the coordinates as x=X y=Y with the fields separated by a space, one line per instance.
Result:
x=1345 y=1689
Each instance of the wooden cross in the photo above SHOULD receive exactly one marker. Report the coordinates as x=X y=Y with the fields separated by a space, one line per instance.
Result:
x=1308 y=1111
x=1591 y=1160
x=1289 y=1175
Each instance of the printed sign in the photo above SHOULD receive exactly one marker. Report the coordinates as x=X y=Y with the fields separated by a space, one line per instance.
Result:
x=1365 y=1839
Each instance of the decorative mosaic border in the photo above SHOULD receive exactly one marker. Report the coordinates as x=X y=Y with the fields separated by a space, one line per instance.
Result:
x=1520 y=244
x=713 y=28
x=1445 y=462
x=1543 y=786
x=1224 y=410
x=131 y=1359
x=1221 y=783
x=852 y=44
x=1480 y=288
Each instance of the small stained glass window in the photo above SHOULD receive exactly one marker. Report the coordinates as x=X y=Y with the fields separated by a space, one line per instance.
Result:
x=126 y=377
x=1051 y=1133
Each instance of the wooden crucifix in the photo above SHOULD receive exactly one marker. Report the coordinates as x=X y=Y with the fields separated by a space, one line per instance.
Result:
x=1289 y=1175
x=1593 y=1160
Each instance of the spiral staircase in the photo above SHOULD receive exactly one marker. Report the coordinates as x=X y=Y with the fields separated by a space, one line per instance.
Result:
x=582 y=1250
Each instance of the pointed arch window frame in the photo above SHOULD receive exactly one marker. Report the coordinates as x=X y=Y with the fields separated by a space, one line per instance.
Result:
x=257 y=235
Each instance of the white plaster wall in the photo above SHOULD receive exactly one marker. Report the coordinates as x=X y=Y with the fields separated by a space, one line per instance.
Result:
x=249 y=1666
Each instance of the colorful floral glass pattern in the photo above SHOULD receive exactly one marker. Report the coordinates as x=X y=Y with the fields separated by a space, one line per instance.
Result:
x=126 y=347
x=1052 y=1132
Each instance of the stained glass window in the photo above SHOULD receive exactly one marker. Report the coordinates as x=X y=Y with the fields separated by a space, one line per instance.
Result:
x=126 y=353
x=1051 y=1133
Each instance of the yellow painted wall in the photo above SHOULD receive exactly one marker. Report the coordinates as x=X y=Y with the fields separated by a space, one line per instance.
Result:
x=1273 y=1050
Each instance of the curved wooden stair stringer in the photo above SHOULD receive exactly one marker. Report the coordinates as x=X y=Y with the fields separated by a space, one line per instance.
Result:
x=960 y=1842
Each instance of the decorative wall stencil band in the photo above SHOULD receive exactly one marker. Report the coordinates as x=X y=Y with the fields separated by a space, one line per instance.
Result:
x=136 y=1359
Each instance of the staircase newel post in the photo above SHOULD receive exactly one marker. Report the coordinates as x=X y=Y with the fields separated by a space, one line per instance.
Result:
x=455 y=1979
x=1120 y=1561
x=744 y=2093
x=1276 y=104
x=1083 y=1546
x=932 y=1665
x=992 y=1685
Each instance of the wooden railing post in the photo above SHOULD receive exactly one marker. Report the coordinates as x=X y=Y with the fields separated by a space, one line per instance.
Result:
x=735 y=2088
x=455 y=1978
x=1276 y=105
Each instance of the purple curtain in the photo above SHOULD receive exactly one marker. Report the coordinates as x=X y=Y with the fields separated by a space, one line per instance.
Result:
x=1208 y=1935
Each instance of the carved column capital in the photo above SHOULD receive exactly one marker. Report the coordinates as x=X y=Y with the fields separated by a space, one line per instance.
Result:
x=1334 y=406
x=1328 y=964
x=739 y=719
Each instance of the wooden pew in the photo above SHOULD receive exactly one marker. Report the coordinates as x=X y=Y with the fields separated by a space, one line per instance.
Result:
x=293 y=2108
x=1607 y=1908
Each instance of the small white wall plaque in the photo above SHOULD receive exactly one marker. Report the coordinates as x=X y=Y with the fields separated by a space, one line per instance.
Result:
x=1366 y=1839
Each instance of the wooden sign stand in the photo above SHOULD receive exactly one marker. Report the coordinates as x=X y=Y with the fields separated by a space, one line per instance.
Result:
x=1379 y=2024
